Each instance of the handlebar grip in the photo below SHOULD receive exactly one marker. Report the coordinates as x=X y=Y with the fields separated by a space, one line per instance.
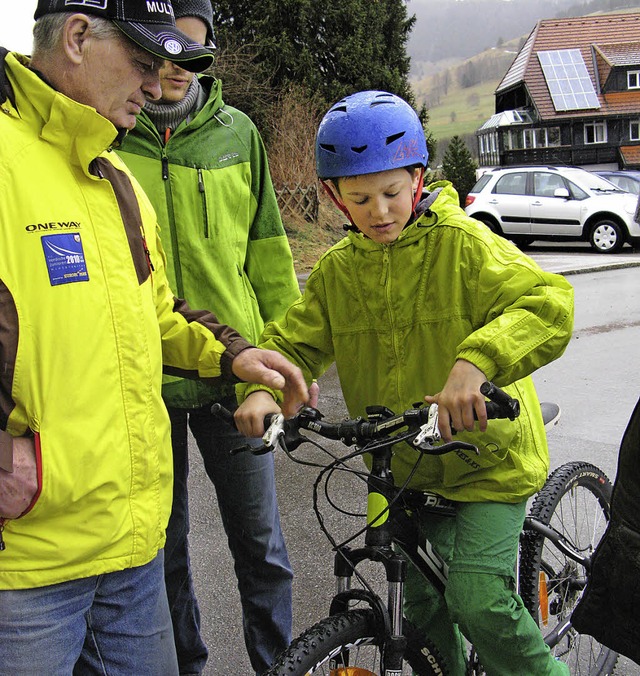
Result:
x=224 y=414
x=268 y=419
x=504 y=406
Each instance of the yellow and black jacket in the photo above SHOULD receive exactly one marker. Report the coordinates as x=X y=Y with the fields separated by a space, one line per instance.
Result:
x=87 y=320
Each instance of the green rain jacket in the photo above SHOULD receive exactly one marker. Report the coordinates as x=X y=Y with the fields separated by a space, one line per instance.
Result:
x=396 y=317
x=220 y=224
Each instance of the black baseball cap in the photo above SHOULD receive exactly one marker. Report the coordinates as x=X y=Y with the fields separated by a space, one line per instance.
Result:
x=148 y=23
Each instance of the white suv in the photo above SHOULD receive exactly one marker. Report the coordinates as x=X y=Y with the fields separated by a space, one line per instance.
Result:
x=529 y=203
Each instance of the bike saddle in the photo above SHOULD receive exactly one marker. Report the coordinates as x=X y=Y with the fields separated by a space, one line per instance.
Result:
x=550 y=413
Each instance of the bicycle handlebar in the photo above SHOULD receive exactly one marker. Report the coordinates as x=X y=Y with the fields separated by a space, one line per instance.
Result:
x=421 y=424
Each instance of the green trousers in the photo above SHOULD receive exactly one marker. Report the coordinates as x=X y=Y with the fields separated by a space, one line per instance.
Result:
x=480 y=546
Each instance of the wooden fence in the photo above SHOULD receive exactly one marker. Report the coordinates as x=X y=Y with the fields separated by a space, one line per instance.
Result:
x=300 y=200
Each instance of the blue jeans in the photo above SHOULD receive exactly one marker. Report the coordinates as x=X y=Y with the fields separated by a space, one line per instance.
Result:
x=245 y=487
x=116 y=624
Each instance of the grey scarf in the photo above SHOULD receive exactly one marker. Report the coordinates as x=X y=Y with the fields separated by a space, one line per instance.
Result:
x=170 y=115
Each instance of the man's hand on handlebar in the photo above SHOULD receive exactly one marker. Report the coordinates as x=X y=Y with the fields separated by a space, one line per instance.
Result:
x=459 y=399
x=270 y=368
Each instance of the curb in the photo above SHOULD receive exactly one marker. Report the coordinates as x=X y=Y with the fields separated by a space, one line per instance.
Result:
x=579 y=270
x=598 y=268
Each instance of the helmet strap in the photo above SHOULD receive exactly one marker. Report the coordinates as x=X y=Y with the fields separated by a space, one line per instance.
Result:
x=339 y=204
x=418 y=196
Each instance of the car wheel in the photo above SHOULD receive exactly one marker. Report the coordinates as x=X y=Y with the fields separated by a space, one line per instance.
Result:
x=522 y=241
x=606 y=236
x=492 y=225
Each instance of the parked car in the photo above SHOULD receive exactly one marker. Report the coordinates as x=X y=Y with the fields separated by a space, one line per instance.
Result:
x=626 y=179
x=554 y=203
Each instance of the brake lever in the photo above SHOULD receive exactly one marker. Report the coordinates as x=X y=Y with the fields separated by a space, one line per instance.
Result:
x=274 y=432
x=429 y=431
x=426 y=447
x=270 y=438
x=429 y=434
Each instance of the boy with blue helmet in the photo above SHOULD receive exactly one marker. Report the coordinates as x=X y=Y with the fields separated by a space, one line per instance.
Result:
x=420 y=301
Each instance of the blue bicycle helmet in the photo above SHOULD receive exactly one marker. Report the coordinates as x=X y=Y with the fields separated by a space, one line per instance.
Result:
x=368 y=132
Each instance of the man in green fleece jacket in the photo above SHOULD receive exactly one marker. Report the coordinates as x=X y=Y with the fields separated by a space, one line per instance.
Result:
x=203 y=165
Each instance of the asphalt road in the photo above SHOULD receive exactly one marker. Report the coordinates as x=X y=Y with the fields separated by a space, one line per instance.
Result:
x=596 y=382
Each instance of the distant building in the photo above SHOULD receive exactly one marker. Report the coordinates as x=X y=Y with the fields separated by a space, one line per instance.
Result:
x=570 y=97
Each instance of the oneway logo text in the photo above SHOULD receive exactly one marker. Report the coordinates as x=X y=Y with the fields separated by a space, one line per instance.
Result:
x=48 y=227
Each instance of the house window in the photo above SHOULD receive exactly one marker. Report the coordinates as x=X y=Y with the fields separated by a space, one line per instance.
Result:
x=529 y=138
x=633 y=79
x=595 y=132
x=553 y=136
x=488 y=146
x=517 y=140
x=634 y=130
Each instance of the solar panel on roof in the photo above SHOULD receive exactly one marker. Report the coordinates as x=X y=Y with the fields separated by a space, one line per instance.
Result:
x=568 y=79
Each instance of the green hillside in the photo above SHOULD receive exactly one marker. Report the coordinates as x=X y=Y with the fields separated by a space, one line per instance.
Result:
x=460 y=97
x=462 y=111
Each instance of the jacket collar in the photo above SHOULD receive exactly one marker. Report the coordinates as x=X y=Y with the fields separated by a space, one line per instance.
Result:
x=6 y=90
x=78 y=131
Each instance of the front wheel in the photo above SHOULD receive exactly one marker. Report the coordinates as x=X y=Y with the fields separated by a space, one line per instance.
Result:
x=606 y=236
x=348 y=644
x=575 y=502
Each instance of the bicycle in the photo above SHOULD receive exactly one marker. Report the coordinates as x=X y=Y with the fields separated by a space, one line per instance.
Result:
x=363 y=635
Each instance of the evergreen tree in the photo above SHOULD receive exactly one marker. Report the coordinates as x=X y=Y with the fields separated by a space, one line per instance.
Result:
x=333 y=49
x=459 y=167
x=432 y=141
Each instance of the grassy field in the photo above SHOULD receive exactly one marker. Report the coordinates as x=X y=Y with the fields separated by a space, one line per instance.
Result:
x=462 y=111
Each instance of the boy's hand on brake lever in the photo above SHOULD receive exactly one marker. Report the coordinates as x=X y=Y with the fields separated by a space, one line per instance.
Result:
x=249 y=416
x=458 y=400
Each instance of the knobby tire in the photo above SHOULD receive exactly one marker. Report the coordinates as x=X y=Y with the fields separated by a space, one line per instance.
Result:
x=352 y=638
x=575 y=501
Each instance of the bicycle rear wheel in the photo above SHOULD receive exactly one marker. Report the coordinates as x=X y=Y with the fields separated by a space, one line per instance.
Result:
x=348 y=644
x=575 y=501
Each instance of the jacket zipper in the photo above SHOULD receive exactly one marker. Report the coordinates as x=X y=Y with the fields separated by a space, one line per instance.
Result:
x=385 y=265
x=2 y=545
x=386 y=282
x=178 y=290
x=203 y=192
x=147 y=253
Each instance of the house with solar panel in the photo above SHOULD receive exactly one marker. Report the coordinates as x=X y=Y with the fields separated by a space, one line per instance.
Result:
x=570 y=97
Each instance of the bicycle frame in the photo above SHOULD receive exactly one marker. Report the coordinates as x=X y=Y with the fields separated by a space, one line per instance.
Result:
x=390 y=521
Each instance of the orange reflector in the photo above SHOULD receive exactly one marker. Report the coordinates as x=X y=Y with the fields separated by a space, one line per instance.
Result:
x=543 y=598
x=351 y=671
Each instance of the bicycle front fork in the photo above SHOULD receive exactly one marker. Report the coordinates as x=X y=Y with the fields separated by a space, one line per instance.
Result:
x=389 y=617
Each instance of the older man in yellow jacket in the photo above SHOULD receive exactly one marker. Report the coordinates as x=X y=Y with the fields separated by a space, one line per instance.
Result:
x=87 y=321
